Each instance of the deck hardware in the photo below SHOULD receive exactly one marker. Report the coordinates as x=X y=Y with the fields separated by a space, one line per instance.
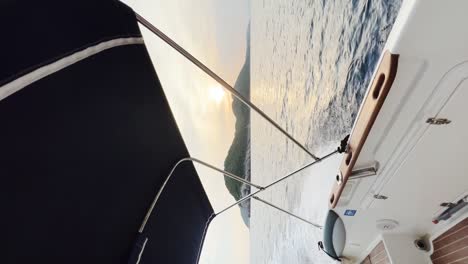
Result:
x=339 y=178
x=449 y=205
x=343 y=148
x=452 y=208
x=438 y=121
x=421 y=244
x=363 y=173
x=380 y=197
x=386 y=224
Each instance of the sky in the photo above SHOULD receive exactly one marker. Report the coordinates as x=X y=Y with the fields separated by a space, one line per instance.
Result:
x=214 y=31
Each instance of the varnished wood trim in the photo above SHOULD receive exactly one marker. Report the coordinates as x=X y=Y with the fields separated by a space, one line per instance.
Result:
x=381 y=85
x=456 y=255
x=456 y=228
x=452 y=238
x=378 y=255
x=452 y=246
x=455 y=245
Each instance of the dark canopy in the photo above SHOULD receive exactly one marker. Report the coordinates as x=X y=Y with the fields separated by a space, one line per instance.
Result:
x=85 y=149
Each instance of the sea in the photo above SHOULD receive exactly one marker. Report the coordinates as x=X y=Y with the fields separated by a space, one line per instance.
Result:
x=311 y=63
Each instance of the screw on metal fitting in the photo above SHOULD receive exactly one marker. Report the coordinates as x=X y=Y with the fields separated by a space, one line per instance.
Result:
x=380 y=197
x=438 y=121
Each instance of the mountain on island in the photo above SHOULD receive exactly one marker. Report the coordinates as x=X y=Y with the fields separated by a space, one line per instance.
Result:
x=238 y=157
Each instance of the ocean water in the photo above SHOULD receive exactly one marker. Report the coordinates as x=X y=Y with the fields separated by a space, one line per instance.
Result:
x=311 y=63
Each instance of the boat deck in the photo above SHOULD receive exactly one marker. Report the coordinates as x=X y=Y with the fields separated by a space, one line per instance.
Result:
x=452 y=246
x=378 y=255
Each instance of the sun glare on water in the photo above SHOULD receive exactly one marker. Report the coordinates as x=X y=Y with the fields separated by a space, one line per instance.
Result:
x=216 y=94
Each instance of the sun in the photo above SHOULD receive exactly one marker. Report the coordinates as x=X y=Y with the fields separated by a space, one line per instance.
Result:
x=216 y=93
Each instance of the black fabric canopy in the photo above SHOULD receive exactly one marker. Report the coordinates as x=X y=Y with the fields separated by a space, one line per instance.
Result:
x=85 y=148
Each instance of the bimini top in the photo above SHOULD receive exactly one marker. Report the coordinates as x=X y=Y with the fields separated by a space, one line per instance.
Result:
x=88 y=138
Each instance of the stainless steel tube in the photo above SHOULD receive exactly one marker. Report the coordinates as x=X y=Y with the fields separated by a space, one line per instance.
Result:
x=286 y=212
x=277 y=181
x=220 y=80
x=189 y=159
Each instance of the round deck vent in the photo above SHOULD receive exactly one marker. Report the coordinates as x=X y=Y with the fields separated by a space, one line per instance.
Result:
x=386 y=224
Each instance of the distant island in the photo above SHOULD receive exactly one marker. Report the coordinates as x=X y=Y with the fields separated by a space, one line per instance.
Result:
x=238 y=157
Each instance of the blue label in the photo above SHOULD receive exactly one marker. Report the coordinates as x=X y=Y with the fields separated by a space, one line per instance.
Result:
x=350 y=212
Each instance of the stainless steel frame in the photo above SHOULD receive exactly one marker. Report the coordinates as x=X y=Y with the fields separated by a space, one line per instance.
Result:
x=190 y=159
x=232 y=176
x=286 y=212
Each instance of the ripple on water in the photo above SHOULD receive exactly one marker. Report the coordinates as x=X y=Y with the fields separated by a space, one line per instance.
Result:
x=311 y=62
